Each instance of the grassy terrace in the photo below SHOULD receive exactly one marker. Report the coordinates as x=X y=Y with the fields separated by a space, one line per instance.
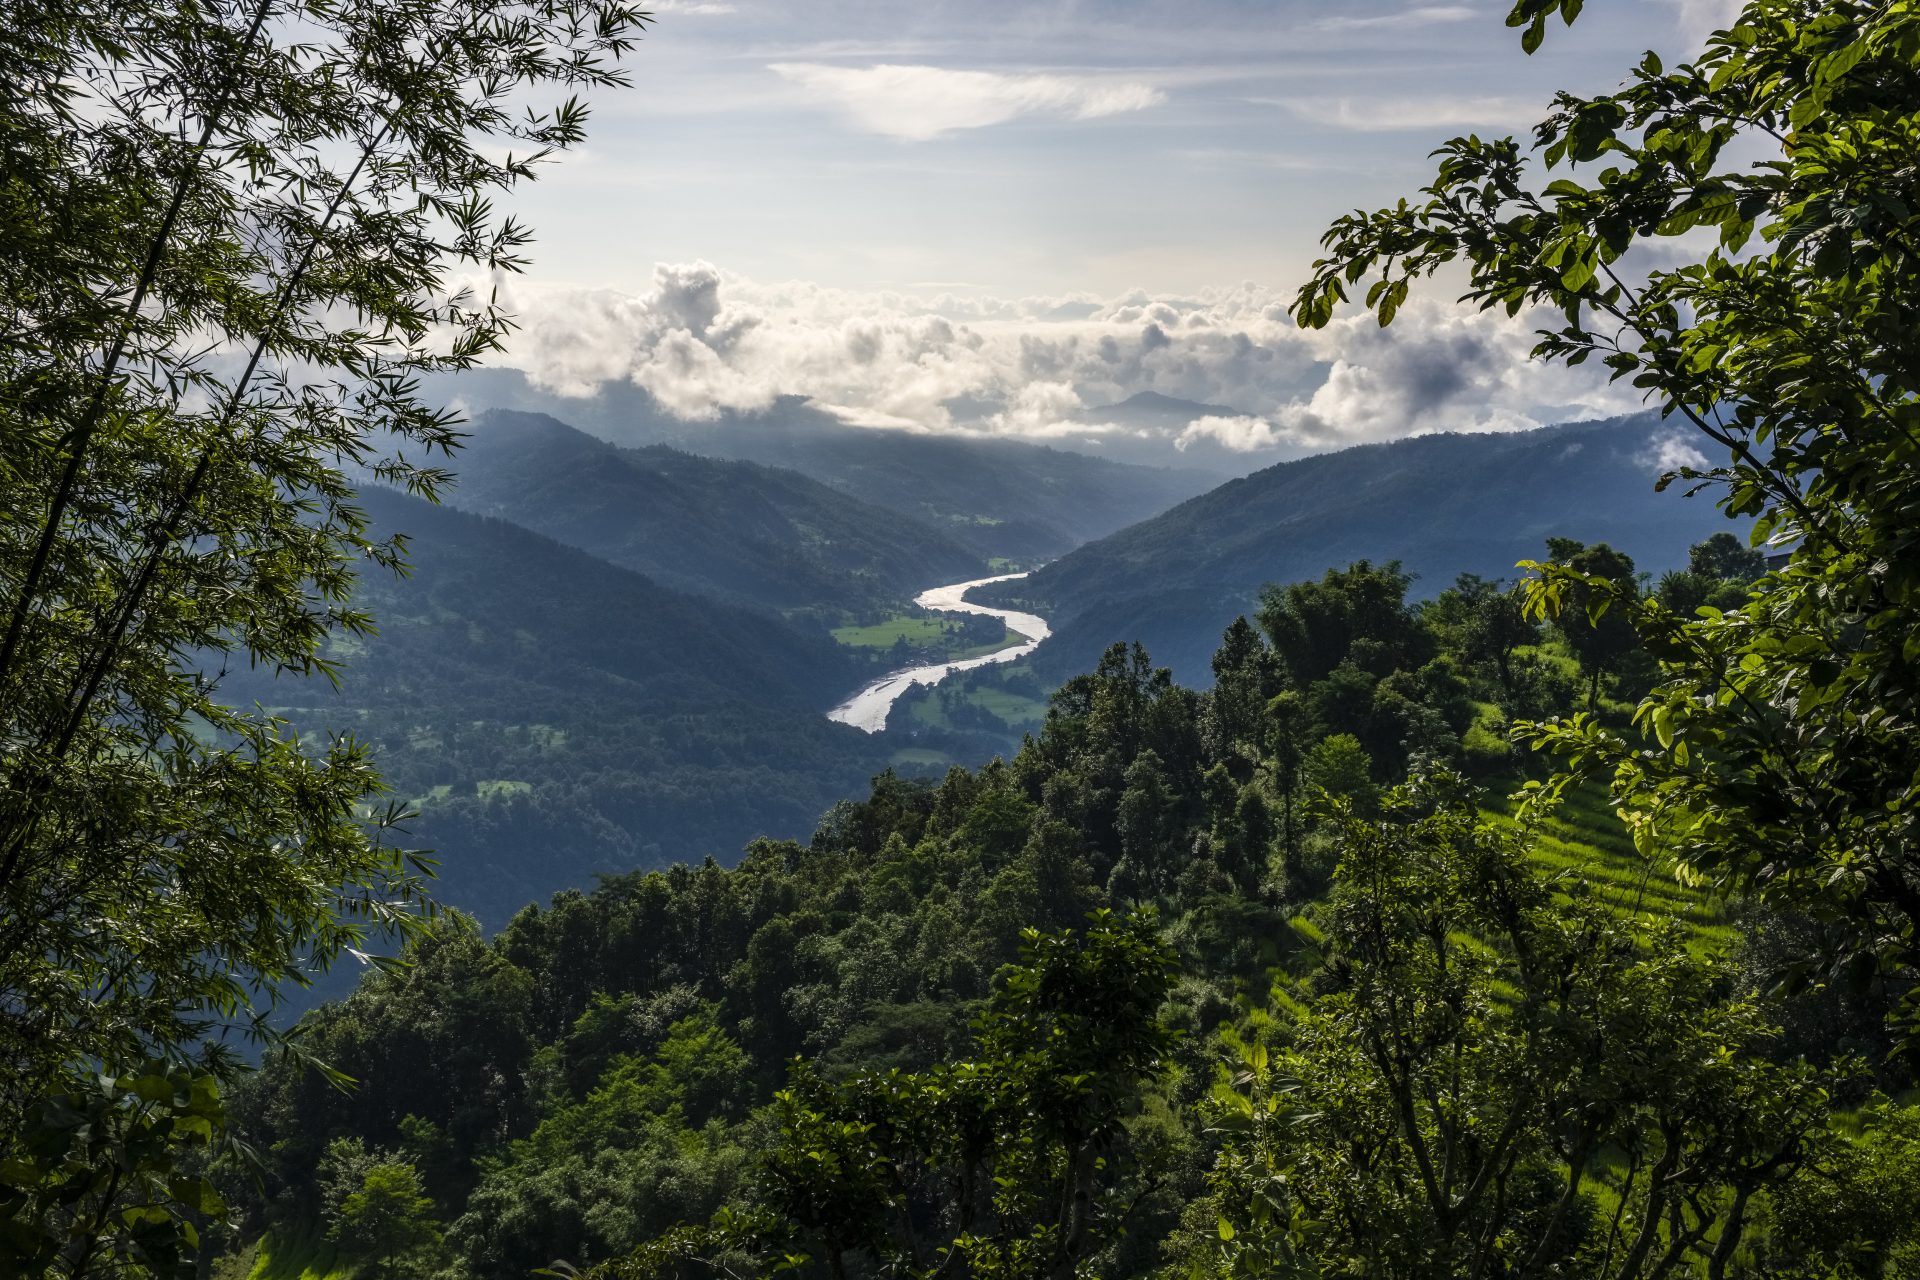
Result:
x=1586 y=838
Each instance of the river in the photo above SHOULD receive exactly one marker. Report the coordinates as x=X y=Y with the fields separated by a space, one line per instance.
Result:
x=868 y=708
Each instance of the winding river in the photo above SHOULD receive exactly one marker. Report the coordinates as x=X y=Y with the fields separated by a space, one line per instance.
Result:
x=868 y=708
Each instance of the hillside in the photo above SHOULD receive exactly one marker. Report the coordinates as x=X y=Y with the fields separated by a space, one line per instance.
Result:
x=556 y=717
x=997 y=497
x=1441 y=505
x=730 y=529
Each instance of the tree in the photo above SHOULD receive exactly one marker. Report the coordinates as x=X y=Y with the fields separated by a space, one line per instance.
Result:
x=1498 y=1079
x=234 y=233
x=1315 y=626
x=1339 y=766
x=1491 y=621
x=1287 y=724
x=1721 y=557
x=1593 y=621
x=387 y=1219
x=1246 y=676
x=1016 y=1163
x=1785 y=753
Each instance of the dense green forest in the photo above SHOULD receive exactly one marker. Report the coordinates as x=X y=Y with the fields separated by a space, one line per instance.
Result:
x=549 y=716
x=622 y=1062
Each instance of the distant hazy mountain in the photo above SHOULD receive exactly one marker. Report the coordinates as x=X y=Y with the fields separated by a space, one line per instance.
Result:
x=1442 y=505
x=555 y=716
x=737 y=530
x=997 y=497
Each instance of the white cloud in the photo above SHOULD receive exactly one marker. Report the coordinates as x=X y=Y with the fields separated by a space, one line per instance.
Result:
x=1379 y=115
x=1242 y=434
x=1671 y=450
x=697 y=7
x=917 y=103
x=1419 y=16
x=704 y=341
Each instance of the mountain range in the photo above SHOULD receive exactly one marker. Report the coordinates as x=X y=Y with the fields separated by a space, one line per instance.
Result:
x=554 y=717
x=997 y=497
x=613 y=656
x=1442 y=505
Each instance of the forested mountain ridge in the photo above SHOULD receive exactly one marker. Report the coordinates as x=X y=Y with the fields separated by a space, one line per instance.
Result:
x=554 y=716
x=998 y=497
x=737 y=530
x=1440 y=505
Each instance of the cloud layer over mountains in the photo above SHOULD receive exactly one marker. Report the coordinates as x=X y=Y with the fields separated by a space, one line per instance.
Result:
x=704 y=341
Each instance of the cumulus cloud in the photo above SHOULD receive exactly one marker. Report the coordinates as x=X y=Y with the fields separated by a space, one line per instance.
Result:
x=918 y=103
x=1671 y=450
x=704 y=342
x=1242 y=433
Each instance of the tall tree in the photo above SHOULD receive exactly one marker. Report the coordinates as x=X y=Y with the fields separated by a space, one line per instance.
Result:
x=1786 y=755
x=1592 y=619
x=235 y=233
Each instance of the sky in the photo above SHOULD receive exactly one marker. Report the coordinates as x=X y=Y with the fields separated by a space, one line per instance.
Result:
x=999 y=216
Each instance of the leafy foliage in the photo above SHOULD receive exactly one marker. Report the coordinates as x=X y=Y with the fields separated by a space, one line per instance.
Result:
x=203 y=171
x=1493 y=1076
x=109 y=1177
x=1776 y=754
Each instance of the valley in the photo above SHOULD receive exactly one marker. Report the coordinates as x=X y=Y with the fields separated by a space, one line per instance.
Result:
x=978 y=646
x=563 y=687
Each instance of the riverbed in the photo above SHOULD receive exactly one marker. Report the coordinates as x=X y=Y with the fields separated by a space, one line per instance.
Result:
x=868 y=708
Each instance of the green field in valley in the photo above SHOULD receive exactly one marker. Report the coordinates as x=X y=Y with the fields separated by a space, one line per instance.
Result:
x=920 y=631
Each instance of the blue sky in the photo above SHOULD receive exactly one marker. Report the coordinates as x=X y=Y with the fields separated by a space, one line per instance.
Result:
x=998 y=217
x=1083 y=145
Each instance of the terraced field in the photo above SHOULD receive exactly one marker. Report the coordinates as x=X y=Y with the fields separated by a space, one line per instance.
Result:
x=1586 y=838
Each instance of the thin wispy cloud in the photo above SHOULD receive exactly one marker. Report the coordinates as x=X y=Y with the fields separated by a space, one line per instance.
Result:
x=1422 y=16
x=1382 y=115
x=920 y=103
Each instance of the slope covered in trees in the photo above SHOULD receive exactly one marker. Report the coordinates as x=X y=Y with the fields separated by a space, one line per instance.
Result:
x=738 y=530
x=1440 y=505
x=553 y=716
